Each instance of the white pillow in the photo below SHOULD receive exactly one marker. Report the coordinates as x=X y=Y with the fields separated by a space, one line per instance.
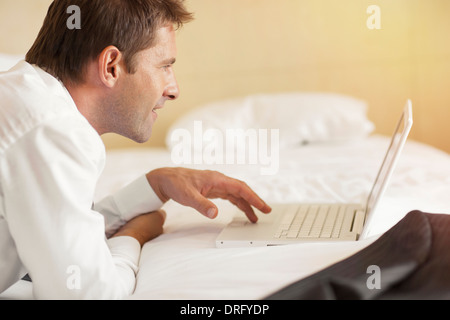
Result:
x=300 y=117
x=7 y=61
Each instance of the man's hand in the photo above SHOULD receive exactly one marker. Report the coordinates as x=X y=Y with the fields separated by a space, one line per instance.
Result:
x=192 y=188
x=144 y=227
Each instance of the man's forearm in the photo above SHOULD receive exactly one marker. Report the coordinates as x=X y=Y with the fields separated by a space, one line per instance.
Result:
x=144 y=227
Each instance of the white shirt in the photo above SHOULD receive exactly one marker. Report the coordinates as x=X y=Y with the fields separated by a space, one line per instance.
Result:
x=50 y=161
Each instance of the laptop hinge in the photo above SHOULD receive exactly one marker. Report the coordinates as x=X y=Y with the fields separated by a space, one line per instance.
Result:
x=358 y=222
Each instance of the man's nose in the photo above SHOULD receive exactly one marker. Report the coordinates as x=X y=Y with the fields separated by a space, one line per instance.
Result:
x=172 y=90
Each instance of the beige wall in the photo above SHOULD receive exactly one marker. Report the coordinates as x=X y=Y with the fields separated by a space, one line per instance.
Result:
x=240 y=47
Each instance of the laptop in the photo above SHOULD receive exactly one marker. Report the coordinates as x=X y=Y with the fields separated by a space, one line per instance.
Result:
x=295 y=222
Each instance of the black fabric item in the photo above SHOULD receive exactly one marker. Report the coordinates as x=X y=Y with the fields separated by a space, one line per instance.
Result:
x=27 y=278
x=413 y=258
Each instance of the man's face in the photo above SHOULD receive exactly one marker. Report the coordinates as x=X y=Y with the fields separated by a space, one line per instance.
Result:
x=140 y=95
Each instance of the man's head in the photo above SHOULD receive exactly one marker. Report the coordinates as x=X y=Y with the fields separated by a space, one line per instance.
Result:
x=117 y=66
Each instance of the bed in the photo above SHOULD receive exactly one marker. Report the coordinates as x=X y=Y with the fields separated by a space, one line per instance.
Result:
x=326 y=152
x=319 y=166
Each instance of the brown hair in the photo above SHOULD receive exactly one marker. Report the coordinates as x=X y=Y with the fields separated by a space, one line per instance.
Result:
x=129 y=25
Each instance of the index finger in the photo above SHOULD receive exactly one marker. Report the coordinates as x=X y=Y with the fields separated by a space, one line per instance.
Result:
x=240 y=189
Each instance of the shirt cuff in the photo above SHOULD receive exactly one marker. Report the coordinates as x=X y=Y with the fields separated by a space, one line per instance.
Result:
x=126 y=248
x=126 y=252
x=137 y=198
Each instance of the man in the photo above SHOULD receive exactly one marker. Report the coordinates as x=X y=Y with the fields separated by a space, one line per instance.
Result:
x=112 y=75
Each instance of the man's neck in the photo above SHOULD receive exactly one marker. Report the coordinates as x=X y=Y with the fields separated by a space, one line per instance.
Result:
x=85 y=99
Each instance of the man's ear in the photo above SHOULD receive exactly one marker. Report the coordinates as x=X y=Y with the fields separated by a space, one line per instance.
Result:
x=110 y=66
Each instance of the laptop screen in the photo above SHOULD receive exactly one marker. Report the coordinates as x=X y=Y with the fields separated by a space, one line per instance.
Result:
x=398 y=140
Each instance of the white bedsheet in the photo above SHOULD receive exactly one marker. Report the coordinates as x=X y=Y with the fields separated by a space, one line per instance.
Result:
x=183 y=263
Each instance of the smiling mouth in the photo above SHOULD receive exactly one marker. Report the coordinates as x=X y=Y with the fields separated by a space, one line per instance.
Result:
x=157 y=108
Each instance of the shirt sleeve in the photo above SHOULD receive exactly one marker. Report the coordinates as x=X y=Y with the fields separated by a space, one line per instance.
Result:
x=48 y=179
x=134 y=199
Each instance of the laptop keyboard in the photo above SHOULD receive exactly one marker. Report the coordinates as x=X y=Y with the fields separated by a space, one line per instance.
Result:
x=314 y=221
